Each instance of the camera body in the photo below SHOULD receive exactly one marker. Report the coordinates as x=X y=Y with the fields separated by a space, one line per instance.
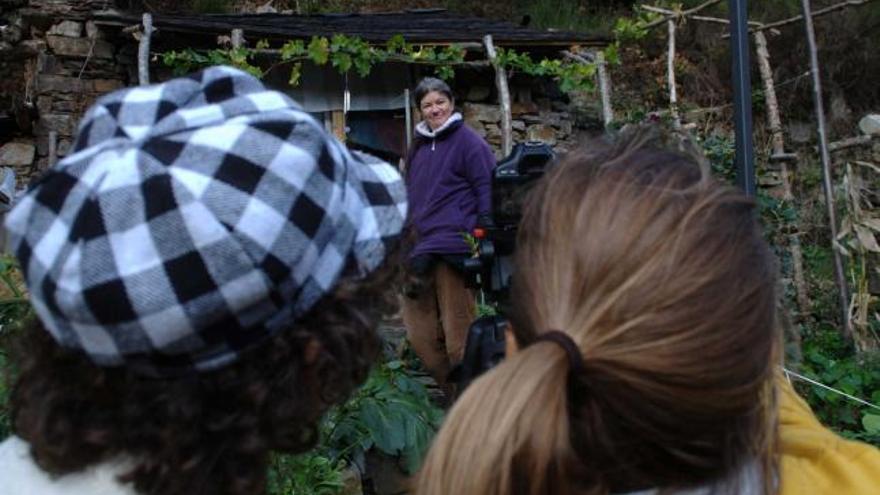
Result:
x=492 y=268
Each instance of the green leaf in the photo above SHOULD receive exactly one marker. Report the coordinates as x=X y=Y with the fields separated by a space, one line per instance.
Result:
x=396 y=44
x=319 y=50
x=295 y=74
x=293 y=49
x=341 y=60
x=871 y=422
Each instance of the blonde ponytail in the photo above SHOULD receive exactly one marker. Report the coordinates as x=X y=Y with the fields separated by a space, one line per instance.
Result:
x=508 y=433
x=662 y=278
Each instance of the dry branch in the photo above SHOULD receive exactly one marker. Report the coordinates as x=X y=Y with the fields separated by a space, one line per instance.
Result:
x=675 y=14
x=813 y=14
x=850 y=143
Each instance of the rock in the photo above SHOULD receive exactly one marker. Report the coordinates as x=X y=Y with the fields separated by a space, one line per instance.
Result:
x=64 y=106
x=542 y=132
x=93 y=31
x=481 y=112
x=566 y=127
x=79 y=47
x=522 y=108
x=522 y=94
x=518 y=125
x=800 y=132
x=838 y=109
x=106 y=85
x=477 y=126
x=69 y=29
x=870 y=124
x=559 y=106
x=51 y=85
x=44 y=104
x=32 y=46
x=532 y=119
x=478 y=93
x=61 y=123
x=545 y=105
x=267 y=8
x=47 y=64
x=17 y=154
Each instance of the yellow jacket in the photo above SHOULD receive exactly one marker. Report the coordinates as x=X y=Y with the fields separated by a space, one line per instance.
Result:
x=814 y=460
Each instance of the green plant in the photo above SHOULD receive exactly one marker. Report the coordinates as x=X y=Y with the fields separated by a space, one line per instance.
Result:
x=312 y=473
x=346 y=53
x=720 y=151
x=828 y=359
x=14 y=309
x=392 y=413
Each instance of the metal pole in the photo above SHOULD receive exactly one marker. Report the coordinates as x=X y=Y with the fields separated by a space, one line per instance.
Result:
x=742 y=96
x=409 y=124
x=826 y=167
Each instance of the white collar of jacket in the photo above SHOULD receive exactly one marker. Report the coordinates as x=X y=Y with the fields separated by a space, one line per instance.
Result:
x=425 y=131
x=21 y=474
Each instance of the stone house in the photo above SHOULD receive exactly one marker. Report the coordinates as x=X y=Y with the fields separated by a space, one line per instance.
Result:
x=57 y=57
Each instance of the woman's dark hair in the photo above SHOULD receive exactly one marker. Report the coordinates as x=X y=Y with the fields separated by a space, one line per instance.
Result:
x=208 y=433
x=428 y=85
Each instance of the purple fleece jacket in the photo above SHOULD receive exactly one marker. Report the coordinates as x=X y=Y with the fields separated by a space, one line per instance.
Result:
x=449 y=180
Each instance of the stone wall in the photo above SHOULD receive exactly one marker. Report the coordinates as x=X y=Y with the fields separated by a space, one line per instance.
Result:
x=62 y=67
x=537 y=116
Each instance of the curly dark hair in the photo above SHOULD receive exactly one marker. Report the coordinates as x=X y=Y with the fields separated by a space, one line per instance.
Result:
x=207 y=433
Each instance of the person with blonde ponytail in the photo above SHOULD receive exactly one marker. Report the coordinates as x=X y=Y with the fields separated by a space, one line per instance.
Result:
x=643 y=352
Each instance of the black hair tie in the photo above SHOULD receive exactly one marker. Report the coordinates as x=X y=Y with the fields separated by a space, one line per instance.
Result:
x=575 y=359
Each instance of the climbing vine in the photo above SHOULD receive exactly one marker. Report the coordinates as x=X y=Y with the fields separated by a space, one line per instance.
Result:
x=347 y=53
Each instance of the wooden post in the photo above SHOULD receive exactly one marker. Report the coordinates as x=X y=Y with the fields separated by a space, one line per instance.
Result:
x=237 y=38
x=670 y=73
x=846 y=327
x=53 y=148
x=503 y=97
x=338 y=124
x=778 y=153
x=604 y=88
x=144 y=51
x=773 y=120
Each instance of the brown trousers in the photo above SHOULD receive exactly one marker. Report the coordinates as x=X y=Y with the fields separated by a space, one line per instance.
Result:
x=437 y=321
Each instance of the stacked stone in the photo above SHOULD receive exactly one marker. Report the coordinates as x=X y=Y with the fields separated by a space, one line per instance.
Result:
x=544 y=120
x=73 y=66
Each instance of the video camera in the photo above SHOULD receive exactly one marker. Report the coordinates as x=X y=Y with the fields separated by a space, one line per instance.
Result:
x=492 y=268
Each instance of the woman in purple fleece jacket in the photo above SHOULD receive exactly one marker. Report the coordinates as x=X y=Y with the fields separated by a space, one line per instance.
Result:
x=449 y=177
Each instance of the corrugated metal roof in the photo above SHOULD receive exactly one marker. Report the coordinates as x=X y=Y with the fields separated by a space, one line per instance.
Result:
x=416 y=26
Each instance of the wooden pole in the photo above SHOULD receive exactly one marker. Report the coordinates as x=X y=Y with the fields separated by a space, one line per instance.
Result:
x=503 y=97
x=144 y=51
x=604 y=88
x=778 y=152
x=237 y=38
x=670 y=74
x=846 y=330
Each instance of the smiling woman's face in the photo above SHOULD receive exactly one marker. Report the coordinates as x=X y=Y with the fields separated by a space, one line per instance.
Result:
x=436 y=108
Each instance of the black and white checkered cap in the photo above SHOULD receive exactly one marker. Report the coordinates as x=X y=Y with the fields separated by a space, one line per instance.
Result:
x=195 y=218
